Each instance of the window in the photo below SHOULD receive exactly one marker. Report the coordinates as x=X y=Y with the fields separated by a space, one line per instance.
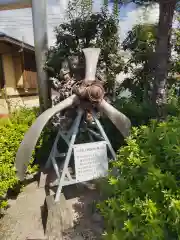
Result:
x=25 y=70
x=30 y=74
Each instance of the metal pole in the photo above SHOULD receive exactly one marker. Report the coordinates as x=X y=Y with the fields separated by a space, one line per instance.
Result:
x=39 y=14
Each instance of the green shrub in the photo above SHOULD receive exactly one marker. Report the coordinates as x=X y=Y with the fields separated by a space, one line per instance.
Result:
x=12 y=132
x=140 y=113
x=136 y=112
x=143 y=201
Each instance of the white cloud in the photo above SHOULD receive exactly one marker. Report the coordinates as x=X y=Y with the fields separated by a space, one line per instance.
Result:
x=136 y=16
x=18 y=23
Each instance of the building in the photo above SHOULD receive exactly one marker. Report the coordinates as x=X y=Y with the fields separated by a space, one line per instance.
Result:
x=17 y=74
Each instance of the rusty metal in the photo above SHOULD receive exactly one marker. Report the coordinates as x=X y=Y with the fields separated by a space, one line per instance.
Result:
x=93 y=91
x=89 y=95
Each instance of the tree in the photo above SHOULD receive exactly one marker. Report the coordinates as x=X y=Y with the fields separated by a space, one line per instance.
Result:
x=160 y=59
x=89 y=30
x=176 y=58
x=177 y=46
x=140 y=42
x=162 y=53
x=79 y=8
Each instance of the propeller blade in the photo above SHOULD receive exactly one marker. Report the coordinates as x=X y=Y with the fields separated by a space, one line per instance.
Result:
x=121 y=122
x=91 y=56
x=28 y=144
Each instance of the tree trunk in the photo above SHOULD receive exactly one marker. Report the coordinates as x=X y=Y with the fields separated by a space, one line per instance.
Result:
x=162 y=54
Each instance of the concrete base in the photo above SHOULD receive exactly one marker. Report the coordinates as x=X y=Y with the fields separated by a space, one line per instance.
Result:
x=59 y=218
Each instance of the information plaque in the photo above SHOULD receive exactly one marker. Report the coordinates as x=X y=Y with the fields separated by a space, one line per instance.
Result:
x=90 y=160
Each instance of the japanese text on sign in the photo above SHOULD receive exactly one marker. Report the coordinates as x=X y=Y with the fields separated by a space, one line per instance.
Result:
x=90 y=161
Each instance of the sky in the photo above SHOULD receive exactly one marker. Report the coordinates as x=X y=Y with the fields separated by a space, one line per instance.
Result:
x=18 y=23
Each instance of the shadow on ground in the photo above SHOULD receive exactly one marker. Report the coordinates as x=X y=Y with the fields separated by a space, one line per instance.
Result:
x=87 y=221
x=81 y=202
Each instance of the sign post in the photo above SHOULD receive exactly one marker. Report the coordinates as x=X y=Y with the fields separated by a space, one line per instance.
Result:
x=90 y=159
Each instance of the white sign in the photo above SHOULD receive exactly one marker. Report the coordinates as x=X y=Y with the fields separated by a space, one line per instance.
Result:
x=90 y=161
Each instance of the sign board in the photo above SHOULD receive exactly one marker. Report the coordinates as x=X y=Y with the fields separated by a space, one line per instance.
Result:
x=90 y=160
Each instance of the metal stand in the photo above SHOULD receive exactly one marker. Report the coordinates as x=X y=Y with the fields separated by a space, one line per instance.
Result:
x=64 y=178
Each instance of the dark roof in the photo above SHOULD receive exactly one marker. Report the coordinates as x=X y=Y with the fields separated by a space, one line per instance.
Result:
x=2 y=34
x=6 y=38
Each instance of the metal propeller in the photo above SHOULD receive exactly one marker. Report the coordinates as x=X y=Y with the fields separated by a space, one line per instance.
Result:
x=90 y=91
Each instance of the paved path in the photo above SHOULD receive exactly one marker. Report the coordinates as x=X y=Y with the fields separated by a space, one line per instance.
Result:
x=23 y=220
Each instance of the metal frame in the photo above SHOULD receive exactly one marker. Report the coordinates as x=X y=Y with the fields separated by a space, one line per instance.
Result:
x=64 y=178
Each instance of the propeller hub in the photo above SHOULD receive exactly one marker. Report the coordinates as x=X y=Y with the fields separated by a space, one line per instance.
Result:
x=95 y=92
x=92 y=92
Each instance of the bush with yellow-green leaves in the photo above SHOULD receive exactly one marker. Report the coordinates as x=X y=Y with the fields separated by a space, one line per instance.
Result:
x=12 y=131
x=143 y=201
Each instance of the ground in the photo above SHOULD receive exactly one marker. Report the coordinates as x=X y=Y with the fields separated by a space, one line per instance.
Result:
x=24 y=218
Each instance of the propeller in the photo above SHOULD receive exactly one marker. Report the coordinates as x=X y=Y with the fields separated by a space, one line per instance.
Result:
x=24 y=152
x=90 y=91
x=91 y=56
x=121 y=122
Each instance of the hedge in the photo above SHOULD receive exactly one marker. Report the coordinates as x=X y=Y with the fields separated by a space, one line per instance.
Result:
x=143 y=202
x=12 y=132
